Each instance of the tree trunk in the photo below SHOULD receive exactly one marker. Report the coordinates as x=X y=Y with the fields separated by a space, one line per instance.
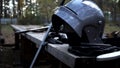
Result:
x=100 y=3
x=114 y=14
x=0 y=15
x=14 y=11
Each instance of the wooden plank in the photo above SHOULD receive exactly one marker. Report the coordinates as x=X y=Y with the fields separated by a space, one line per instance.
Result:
x=60 y=52
x=25 y=27
x=35 y=37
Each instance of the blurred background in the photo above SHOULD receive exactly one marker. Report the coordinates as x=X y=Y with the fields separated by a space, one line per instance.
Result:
x=39 y=12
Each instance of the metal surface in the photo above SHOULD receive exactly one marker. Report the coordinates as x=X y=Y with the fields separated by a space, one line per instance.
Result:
x=109 y=56
x=77 y=16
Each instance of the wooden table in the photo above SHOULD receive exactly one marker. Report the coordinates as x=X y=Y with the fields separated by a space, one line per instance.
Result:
x=58 y=51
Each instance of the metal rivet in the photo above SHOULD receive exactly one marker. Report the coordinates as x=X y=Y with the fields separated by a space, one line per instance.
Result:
x=100 y=22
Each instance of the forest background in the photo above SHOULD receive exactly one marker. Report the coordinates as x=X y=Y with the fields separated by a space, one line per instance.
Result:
x=39 y=12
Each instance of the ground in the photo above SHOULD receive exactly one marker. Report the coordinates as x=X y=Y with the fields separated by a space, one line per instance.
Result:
x=8 y=57
x=8 y=34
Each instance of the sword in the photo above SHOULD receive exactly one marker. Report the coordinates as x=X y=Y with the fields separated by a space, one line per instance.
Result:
x=31 y=30
x=40 y=46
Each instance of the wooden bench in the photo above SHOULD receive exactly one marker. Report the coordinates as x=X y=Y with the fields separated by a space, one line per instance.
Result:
x=61 y=58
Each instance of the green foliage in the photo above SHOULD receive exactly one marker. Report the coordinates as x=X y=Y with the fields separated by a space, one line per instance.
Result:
x=31 y=19
x=38 y=13
x=119 y=4
x=42 y=11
